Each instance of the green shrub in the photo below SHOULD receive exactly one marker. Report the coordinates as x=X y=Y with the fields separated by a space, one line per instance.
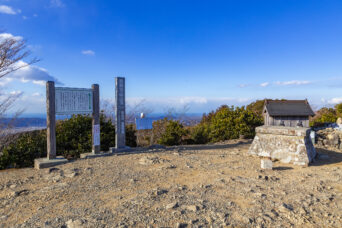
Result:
x=257 y=107
x=221 y=126
x=73 y=137
x=158 y=129
x=324 y=115
x=338 y=109
x=131 y=136
x=226 y=123
x=24 y=150
x=200 y=133
x=173 y=134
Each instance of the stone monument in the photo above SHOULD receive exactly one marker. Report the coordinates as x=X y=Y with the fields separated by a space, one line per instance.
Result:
x=120 y=113
x=287 y=144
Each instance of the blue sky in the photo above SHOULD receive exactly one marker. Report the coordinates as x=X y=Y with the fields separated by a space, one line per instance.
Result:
x=174 y=53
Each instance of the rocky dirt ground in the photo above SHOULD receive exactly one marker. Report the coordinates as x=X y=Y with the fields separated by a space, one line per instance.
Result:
x=194 y=186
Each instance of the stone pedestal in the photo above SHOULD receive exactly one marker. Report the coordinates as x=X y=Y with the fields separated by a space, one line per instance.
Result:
x=287 y=144
x=41 y=163
x=93 y=155
x=120 y=150
x=266 y=164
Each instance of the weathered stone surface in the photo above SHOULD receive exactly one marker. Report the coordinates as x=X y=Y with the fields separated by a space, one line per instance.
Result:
x=93 y=155
x=339 y=120
x=120 y=110
x=266 y=164
x=41 y=163
x=172 y=205
x=193 y=208
x=329 y=138
x=75 y=223
x=287 y=144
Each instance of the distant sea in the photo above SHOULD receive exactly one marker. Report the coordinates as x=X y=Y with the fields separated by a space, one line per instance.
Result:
x=38 y=120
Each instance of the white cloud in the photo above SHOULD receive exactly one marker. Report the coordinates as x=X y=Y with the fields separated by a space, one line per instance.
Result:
x=278 y=83
x=40 y=82
x=88 y=52
x=34 y=74
x=195 y=104
x=18 y=92
x=23 y=80
x=264 y=84
x=180 y=101
x=57 y=3
x=5 y=81
x=293 y=82
x=197 y=100
x=335 y=100
x=4 y=36
x=34 y=48
x=30 y=103
x=8 y=10
x=36 y=94
x=226 y=100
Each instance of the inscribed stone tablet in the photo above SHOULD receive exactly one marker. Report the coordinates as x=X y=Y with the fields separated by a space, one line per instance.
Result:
x=122 y=127
x=96 y=134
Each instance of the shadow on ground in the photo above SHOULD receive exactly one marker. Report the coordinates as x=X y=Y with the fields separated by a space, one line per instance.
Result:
x=327 y=157
x=213 y=146
x=282 y=168
x=184 y=148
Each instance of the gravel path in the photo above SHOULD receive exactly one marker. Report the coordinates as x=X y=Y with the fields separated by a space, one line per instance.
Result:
x=192 y=186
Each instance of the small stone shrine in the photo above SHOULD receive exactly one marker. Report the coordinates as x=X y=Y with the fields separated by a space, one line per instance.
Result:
x=287 y=144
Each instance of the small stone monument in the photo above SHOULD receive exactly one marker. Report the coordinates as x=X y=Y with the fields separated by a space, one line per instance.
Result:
x=120 y=117
x=266 y=163
x=120 y=113
x=287 y=144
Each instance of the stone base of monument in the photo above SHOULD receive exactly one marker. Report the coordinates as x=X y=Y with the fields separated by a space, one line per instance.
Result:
x=287 y=144
x=266 y=164
x=120 y=150
x=92 y=155
x=42 y=163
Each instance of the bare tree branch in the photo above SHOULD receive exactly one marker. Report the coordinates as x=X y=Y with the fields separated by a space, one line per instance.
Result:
x=108 y=107
x=12 y=51
x=135 y=109
x=5 y=105
x=180 y=114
